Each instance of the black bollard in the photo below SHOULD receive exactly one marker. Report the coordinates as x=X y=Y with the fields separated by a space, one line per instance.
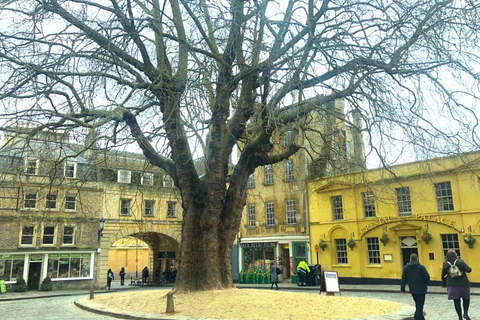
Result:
x=92 y=293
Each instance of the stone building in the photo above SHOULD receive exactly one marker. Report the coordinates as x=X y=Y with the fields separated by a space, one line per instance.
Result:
x=53 y=196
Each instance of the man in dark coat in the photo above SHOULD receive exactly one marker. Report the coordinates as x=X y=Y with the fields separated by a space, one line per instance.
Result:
x=416 y=276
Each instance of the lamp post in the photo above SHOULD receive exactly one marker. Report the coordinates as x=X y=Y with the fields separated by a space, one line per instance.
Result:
x=100 y=229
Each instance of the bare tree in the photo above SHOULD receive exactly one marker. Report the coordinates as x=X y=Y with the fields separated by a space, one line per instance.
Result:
x=209 y=76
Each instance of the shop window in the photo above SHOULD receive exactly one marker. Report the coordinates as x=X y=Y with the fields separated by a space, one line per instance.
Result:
x=51 y=202
x=269 y=213
x=268 y=175
x=70 y=169
x=368 y=201
x=27 y=237
x=71 y=202
x=30 y=200
x=31 y=166
x=11 y=267
x=149 y=205
x=373 y=251
x=124 y=176
x=341 y=251
x=291 y=211
x=403 y=201
x=69 y=265
x=171 y=209
x=337 y=207
x=289 y=171
x=125 y=207
x=258 y=258
x=443 y=193
x=48 y=237
x=251 y=215
x=147 y=179
x=68 y=235
x=251 y=181
x=450 y=241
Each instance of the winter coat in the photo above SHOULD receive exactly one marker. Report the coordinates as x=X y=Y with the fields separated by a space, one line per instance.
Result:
x=274 y=272
x=416 y=276
x=110 y=275
x=122 y=272
x=145 y=273
x=461 y=281
x=304 y=266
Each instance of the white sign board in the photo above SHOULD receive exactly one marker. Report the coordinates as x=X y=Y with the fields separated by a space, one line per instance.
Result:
x=331 y=281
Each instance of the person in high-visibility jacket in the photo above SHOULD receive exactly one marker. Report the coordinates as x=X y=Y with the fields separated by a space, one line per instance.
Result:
x=302 y=270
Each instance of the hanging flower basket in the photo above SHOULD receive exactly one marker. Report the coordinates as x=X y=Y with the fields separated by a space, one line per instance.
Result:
x=384 y=239
x=470 y=240
x=351 y=243
x=322 y=245
x=426 y=236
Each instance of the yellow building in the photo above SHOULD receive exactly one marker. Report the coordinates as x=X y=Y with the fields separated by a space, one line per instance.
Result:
x=367 y=224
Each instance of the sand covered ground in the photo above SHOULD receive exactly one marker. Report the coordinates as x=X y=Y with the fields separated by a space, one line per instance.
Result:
x=249 y=304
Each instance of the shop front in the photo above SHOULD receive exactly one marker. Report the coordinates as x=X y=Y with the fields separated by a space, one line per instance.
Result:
x=66 y=269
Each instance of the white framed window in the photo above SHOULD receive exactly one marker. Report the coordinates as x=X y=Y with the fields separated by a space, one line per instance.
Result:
x=125 y=207
x=49 y=235
x=443 y=193
x=70 y=169
x=373 y=251
x=270 y=213
x=70 y=265
x=290 y=210
x=268 y=175
x=341 y=251
x=337 y=207
x=171 y=209
x=27 y=237
x=31 y=166
x=51 y=203
x=368 y=201
x=287 y=138
x=403 y=201
x=30 y=200
x=251 y=181
x=289 y=170
x=124 y=176
x=251 y=215
x=68 y=235
x=149 y=208
x=70 y=202
x=450 y=241
x=167 y=181
x=147 y=179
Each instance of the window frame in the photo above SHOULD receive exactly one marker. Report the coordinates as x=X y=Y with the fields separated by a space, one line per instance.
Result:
x=167 y=181
x=337 y=210
x=291 y=211
x=444 y=199
x=373 y=251
x=404 y=201
x=341 y=253
x=251 y=181
x=268 y=175
x=289 y=170
x=49 y=201
x=149 y=181
x=368 y=204
x=35 y=200
x=67 y=201
x=251 y=223
x=171 y=209
x=72 y=235
x=28 y=160
x=65 y=170
x=287 y=138
x=270 y=213
x=52 y=235
x=32 y=236
x=127 y=201
x=152 y=208
x=124 y=176
x=450 y=241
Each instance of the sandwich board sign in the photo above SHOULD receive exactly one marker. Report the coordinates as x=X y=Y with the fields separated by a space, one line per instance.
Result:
x=331 y=282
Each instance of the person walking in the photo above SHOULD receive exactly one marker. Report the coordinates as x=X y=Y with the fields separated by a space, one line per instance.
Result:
x=417 y=277
x=144 y=274
x=458 y=285
x=109 y=278
x=122 y=276
x=274 y=272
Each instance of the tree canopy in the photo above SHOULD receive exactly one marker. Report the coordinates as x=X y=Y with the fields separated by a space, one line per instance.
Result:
x=185 y=79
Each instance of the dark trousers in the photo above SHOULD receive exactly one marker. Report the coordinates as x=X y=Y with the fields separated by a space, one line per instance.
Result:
x=419 y=302
x=109 y=282
x=122 y=280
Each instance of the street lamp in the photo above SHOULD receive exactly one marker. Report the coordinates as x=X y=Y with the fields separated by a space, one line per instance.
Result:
x=100 y=229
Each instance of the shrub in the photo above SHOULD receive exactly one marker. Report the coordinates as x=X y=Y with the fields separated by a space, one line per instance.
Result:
x=46 y=284
x=20 y=286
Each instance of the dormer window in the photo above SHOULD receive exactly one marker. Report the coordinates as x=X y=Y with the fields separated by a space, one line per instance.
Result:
x=31 y=166
x=147 y=179
x=70 y=169
x=124 y=176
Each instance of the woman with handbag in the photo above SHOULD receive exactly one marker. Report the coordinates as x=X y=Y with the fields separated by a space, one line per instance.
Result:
x=454 y=276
